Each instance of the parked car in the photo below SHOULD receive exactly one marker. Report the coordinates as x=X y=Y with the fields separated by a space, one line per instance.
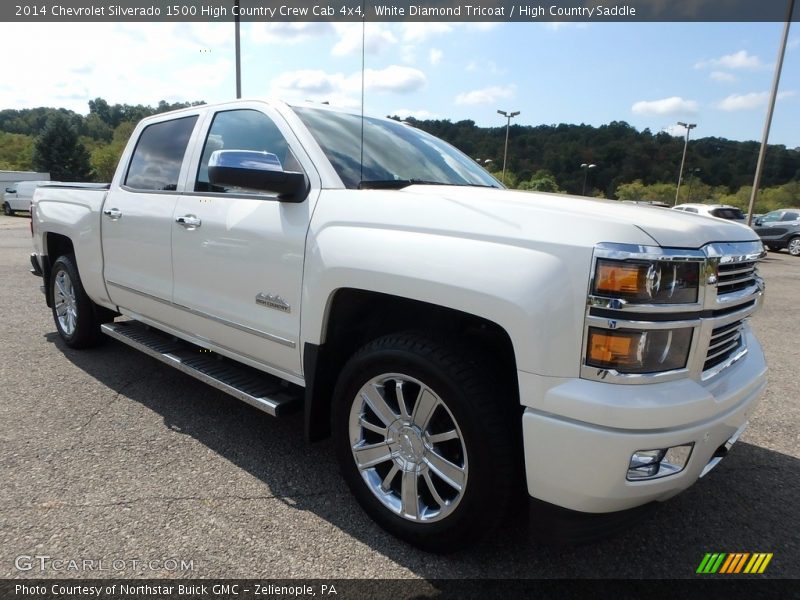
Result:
x=18 y=196
x=780 y=229
x=460 y=344
x=721 y=211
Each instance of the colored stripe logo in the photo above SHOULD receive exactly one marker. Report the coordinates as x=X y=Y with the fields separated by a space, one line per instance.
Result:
x=734 y=562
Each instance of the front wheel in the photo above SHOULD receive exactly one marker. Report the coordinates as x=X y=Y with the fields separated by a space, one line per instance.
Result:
x=774 y=248
x=794 y=246
x=73 y=310
x=7 y=210
x=426 y=440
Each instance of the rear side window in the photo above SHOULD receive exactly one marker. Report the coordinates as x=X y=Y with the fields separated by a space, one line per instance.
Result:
x=734 y=214
x=790 y=216
x=157 y=159
x=689 y=209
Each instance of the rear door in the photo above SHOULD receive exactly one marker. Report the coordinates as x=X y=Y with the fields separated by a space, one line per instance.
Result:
x=238 y=254
x=137 y=217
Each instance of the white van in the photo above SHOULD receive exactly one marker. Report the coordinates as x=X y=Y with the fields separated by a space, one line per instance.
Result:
x=18 y=196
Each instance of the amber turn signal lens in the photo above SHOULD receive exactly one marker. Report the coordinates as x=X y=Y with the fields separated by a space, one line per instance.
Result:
x=633 y=351
x=607 y=347
x=620 y=278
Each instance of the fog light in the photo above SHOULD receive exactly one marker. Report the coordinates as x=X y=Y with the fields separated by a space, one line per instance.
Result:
x=661 y=462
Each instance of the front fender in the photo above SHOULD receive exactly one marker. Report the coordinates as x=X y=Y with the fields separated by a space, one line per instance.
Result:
x=534 y=294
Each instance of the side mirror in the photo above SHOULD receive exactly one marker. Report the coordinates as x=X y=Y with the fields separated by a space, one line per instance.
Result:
x=257 y=171
x=758 y=221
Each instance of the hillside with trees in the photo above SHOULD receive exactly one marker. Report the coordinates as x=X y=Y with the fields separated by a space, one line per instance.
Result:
x=630 y=164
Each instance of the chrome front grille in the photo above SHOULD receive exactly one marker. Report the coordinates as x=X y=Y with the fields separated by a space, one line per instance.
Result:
x=724 y=343
x=735 y=276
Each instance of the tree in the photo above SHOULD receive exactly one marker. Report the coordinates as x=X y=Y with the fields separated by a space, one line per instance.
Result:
x=105 y=158
x=542 y=181
x=58 y=151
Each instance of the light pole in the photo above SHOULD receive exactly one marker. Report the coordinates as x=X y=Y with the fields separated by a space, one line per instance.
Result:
x=238 y=51
x=689 y=127
x=776 y=79
x=509 y=116
x=586 y=167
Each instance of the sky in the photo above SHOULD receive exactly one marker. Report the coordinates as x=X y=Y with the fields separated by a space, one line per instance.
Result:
x=651 y=75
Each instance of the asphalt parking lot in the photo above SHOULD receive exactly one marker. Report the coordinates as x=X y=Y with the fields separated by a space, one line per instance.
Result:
x=107 y=454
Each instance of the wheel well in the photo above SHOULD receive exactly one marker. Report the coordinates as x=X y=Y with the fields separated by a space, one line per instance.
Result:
x=356 y=317
x=55 y=245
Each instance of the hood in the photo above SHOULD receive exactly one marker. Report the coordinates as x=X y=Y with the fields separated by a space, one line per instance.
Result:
x=666 y=227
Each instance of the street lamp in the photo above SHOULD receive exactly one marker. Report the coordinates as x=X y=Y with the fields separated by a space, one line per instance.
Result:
x=689 y=127
x=586 y=167
x=509 y=116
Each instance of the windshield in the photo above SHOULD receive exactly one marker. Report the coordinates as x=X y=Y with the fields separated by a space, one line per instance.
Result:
x=395 y=155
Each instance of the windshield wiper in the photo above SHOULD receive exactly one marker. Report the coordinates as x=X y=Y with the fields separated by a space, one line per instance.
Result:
x=398 y=184
x=394 y=184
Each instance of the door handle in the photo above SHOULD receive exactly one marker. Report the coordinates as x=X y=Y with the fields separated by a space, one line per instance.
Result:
x=189 y=221
x=113 y=213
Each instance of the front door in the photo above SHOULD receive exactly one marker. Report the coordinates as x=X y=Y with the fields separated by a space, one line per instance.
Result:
x=237 y=255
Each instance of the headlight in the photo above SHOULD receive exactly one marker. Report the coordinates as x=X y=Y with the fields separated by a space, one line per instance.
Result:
x=647 y=282
x=634 y=352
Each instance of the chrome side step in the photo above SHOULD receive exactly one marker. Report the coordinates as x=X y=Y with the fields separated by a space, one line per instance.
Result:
x=270 y=394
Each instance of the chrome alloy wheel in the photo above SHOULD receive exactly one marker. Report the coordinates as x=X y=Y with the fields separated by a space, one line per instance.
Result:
x=794 y=246
x=66 y=303
x=408 y=447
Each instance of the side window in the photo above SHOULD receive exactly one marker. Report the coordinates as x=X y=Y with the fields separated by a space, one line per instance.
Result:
x=770 y=217
x=790 y=216
x=157 y=159
x=243 y=130
x=689 y=209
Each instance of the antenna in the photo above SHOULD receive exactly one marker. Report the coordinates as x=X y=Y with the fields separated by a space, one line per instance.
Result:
x=363 y=70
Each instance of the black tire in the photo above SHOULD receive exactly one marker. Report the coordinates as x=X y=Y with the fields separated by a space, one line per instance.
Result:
x=774 y=248
x=85 y=332
x=484 y=413
x=7 y=210
x=793 y=246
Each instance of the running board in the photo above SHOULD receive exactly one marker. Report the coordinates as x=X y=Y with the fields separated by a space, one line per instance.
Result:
x=265 y=392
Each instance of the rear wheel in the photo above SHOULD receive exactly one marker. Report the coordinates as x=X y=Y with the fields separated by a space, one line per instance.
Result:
x=794 y=246
x=7 y=210
x=426 y=440
x=73 y=311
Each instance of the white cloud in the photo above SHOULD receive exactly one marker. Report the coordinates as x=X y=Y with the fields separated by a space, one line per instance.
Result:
x=486 y=95
x=394 y=79
x=345 y=90
x=749 y=101
x=87 y=64
x=285 y=33
x=737 y=60
x=420 y=115
x=309 y=81
x=674 y=105
x=435 y=56
x=793 y=43
x=722 y=76
x=376 y=38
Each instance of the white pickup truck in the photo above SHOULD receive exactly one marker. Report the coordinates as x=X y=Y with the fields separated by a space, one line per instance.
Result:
x=460 y=341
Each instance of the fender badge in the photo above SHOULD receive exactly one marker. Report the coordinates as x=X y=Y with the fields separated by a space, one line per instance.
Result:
x=273 y=301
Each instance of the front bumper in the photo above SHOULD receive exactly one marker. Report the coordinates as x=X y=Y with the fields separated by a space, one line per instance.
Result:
x=579 y=435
